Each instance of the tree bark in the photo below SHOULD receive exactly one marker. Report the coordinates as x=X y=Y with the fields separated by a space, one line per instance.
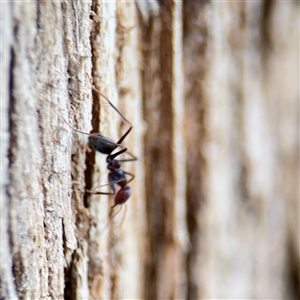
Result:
x=211 y=89
x=241 y=71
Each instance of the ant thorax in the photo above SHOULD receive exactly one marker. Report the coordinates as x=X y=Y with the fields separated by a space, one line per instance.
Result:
x=115 y=164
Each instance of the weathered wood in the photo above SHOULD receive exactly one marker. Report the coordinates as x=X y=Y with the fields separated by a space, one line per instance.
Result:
x=241 y=84
x=211 y=89
x=165 y=154
x=45 y=51
x=7 y=287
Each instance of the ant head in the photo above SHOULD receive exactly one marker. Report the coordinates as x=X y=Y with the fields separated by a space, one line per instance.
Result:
x=101 y=143
x=122 y=195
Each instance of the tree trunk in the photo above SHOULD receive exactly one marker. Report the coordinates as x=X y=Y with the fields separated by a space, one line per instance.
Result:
x=211 y=89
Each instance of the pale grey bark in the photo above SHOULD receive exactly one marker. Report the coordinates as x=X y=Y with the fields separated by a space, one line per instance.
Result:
x=7 y=287
x=211 y=89
x=44 y=47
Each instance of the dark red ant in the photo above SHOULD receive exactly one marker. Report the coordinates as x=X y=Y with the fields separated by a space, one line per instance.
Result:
x=106 y=146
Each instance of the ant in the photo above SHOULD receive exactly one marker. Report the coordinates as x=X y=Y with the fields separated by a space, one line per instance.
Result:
x=106 y=146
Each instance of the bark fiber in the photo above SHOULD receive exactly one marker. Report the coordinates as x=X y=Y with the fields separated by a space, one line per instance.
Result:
x=212 y=91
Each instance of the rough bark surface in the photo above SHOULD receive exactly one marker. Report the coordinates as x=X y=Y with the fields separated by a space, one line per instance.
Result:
x=212 y=91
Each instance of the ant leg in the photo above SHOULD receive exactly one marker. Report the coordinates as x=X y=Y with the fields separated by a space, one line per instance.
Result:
x=130 y=174
x=113 y=156
x=134 y=158
x=111 y=216
x=124 y=136
x=98 y=193
x=111 y=184
x=124 y=215
x=93 y=191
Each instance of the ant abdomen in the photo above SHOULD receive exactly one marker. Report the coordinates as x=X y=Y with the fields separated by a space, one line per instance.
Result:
x=122 y=195
x=101 y=143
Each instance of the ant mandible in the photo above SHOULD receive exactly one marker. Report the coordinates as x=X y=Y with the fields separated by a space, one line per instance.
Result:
x=106 y=146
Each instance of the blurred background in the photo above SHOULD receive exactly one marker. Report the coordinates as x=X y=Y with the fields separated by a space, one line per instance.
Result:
x=230 y=148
